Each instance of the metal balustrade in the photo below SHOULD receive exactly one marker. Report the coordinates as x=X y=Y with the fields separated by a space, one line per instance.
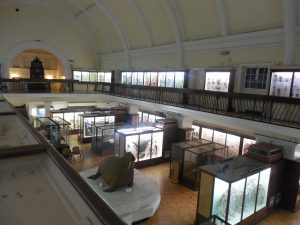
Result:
x=269 y=109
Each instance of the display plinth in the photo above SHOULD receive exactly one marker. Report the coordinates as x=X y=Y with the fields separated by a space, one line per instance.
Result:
x=234 y=190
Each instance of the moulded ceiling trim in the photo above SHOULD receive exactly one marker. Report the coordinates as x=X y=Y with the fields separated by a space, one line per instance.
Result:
x=170 y=7
x=118 y=26
x=64 y=13
x=289 y=26
x=223 y=16
x=86 y=11
x=143 y=21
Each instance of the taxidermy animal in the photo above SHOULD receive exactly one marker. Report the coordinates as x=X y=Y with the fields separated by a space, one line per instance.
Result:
x=116 y=171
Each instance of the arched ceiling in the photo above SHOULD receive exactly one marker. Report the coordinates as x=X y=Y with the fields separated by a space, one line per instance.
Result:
x=114 y=26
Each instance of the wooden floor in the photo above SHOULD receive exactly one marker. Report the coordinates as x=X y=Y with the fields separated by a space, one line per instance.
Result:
x=178 y=203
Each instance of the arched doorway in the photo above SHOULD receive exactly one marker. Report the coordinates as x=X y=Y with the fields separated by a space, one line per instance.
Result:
x=17 y=61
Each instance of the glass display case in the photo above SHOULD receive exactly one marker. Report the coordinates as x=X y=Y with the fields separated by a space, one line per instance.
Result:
x=89 y=121
x=233 y=190
x=145 y=143
x=197 y=156
x=103 y=140
x=64 y=129
x=177 y=156
x=71 y=116
x=217 y=81
x=281 y=84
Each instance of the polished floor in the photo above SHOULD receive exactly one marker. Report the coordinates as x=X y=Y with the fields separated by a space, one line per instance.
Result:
x=178 y=203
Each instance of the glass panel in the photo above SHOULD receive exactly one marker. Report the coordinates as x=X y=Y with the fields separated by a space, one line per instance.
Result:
x=157 y=145
x=263 y=187
x=69 y=116
x=144 y=147
x=140 y=116
x=220 y=198
x=93 y=76
x=154 y=79
x=146 y=79
x=101 y=77
x=281 y=84
x=107 y=77
x=76 y=120
x=85 y=76
x=162 y=79
x=99 y=120
x=128 y=78
x=134 y=78
x=296 y=85
x=246 y=143
x=196 y=132
x=88 y=125
x=77 y=75
x=233 y=144
x=236 y=201
x=124 y=78
x=151 y=118
x=145 y=117
x=250 y=195
x=170 y=79
x=205 y=194
x=132 y=145
x=140 y=78
x=219 y=137
x=207 y=134
x=217 y=81
x=179 y=79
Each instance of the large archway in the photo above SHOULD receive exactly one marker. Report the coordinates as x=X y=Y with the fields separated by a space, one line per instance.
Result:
x=39 y=46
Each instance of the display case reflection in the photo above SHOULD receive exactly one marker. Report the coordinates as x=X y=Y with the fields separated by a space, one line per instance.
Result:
x=145 y=143
x=233 y=190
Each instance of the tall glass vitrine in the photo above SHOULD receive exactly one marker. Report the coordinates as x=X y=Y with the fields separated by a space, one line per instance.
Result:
x=233 y=190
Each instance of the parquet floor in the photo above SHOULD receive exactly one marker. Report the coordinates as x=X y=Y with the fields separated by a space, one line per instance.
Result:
x=178 y=203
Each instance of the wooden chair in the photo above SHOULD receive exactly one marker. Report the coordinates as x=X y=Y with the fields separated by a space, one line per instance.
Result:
x=77 y=154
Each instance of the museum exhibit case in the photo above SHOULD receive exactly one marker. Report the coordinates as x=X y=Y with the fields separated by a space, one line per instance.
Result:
x=197 y=156
x=285 y=83
x=145 y=143
x=33 y=172
x=103 y=139
x=168 y=78
x=177 y=156
x=88 y=121
x=234 y=190
x=64 y=129
x=169 y=127
x=217 y=81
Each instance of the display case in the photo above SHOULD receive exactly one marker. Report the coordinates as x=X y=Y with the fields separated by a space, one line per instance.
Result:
x=145 y=143
x=103 y=140
x=88 y=121
x=217 y=81
x=177 y=156
x=197 y=156
x=64 y=129
x=234 y=190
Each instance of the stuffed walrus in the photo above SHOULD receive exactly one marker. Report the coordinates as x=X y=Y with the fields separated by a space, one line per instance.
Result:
x=116 y=171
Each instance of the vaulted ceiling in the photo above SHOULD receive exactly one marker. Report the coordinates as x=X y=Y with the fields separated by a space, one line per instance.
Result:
x=114 y=26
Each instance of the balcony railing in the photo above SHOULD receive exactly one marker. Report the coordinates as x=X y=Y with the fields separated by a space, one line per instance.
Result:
x=268 y=109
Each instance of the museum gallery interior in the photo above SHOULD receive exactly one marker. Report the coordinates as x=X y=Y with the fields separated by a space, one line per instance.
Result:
x=161 y=112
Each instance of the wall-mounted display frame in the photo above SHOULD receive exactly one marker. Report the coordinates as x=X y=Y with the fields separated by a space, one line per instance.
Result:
x=219 y=81
x=234 y=193
x=92 y=76
x=172 y=79
x=145 y=143
x=285 y=83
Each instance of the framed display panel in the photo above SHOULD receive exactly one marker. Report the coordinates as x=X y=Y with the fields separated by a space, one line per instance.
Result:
x=281 y=84
x=196 y=132
x=170 y=79
x=233 y=143
x=85 y=76
x=108 y=76
x=179 y=79
x=217 y=81
x=140 y=78
x=93 y=77
x=77 y=75
x=129 y=78
x=88 y=121
x=296 y=85
x=236 y=192
x=145 y=143
x=147 y=78
x=154 y=78
x=161 y=79
x=207 y=133
x=134 y=78
x=140 y=116
x=219 y=137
